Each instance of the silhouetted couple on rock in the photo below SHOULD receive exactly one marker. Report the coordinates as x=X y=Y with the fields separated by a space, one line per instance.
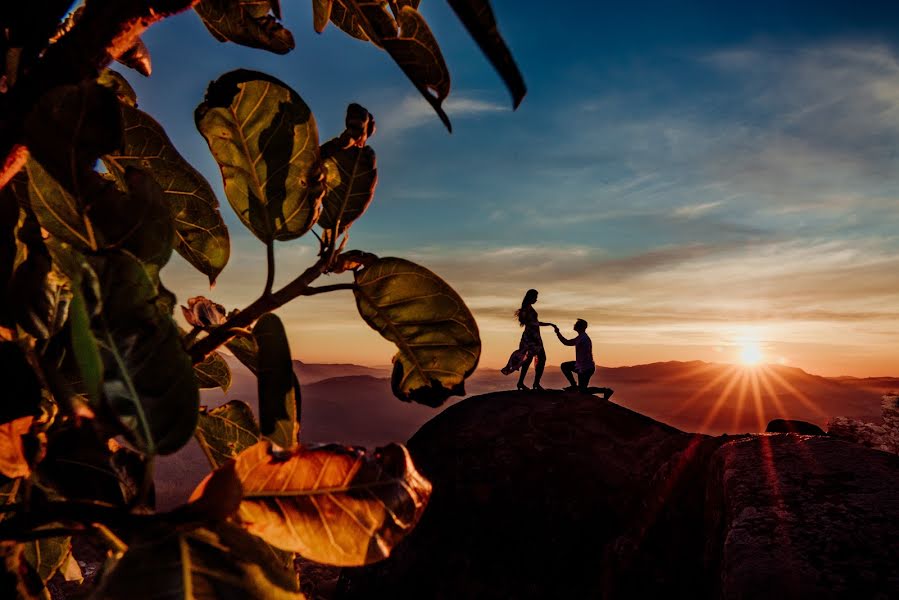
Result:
x=531 y=346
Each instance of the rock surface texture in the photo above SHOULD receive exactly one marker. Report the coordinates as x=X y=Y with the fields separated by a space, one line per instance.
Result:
x=563 y=495
x=794 y=516
x=882 y=436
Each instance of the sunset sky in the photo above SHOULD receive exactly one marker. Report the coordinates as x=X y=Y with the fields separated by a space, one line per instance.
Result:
x=684 y=176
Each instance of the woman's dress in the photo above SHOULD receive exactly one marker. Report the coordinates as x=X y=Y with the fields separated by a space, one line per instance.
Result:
x=531 y=343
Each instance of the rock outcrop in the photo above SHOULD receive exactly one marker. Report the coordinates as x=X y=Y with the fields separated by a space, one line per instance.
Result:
x=549 y=495
x=793 y=426
x=882 y=436
x=562 y=495
x=792 y=516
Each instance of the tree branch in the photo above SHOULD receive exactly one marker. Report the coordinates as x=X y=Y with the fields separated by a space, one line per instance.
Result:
x=264 y=304
x=324 y=289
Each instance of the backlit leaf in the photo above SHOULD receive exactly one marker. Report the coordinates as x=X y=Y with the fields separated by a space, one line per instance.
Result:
x=345 y=17
x=350 y=180
x=435 y=333
x=137 y=57
x=321 y=14
x=148 y=378
x=86 y=118
x=119 y=85
x=58 y=211
x=47 y=555
x=202 y=236
x=416 y=52
x=138 y=221
x=245 y=350
x=265 y=140
x=213 y=372
x=331 y=504
x=226 y=431
x=408 y=40
x=279 y=390
x=134 y=218
x=477 y=16
x=252 y=23
x=224 y=562
x=38 y=293
x=12 y=454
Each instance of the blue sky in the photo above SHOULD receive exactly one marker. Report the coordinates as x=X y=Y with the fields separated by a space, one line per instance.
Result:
x=688 y=177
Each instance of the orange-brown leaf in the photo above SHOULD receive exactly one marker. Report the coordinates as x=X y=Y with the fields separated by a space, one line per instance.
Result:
x=332 y=504
x=12 y=454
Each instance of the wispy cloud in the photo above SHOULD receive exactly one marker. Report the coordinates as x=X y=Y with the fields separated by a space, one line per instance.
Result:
x=691 y=211
x=413 y=111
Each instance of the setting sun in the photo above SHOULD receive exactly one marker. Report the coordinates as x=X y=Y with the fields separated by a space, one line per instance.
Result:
x=750 y=354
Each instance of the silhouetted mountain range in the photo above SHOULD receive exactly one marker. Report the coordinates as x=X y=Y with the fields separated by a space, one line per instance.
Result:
x=353 y=404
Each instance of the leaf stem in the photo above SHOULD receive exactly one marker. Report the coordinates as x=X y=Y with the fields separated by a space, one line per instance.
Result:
x=270 y=273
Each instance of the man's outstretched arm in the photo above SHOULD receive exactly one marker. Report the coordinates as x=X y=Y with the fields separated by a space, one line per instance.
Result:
x=563 y=340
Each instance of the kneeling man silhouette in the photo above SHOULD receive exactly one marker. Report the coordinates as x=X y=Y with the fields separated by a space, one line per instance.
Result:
x=583 y=364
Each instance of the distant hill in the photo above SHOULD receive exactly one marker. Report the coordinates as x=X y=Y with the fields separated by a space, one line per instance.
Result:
x=311 y=373
x=354 y=405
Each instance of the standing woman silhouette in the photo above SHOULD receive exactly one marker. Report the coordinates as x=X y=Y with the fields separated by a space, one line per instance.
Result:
x=531 y=344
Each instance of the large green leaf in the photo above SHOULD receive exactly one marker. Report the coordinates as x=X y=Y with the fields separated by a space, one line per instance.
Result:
x=213 y=372
x=265 y=140
x=224 y=563
x=139 y=221
x=39 y=294
x=331 y=504
x=350 y=178
x=253 y=23
x=202 y=236
x=58 y=211
x=477 y=16
x=136 y=220
x=47 y=555
x=279 y=390
x=70 y=127
x=85 y=347
x=148 y=377
x=435 y=333
x=226 y=431
x=408 y=40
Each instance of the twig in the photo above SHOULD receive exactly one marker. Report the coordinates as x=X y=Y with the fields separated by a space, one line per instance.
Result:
x=323 y=289
x=270 y=272
x=262 y=305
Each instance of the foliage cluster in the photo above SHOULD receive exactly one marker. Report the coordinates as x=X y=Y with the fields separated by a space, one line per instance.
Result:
x=98 y=377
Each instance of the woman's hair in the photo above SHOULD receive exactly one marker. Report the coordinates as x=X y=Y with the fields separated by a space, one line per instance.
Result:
x=529 y=298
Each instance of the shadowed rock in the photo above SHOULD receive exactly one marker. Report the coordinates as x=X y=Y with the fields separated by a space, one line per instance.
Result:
x=545 y=495
x=564 y=495
x=793 y=426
